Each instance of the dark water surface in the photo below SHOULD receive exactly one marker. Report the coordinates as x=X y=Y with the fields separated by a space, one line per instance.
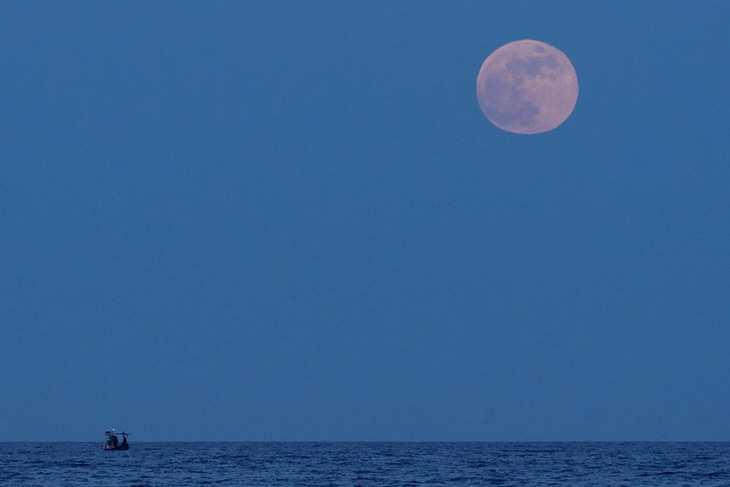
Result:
x=367 y=464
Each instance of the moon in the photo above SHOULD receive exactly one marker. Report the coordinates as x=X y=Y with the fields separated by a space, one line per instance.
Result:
x=527 y=87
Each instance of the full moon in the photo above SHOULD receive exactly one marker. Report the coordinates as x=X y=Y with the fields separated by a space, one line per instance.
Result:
x=527 y=87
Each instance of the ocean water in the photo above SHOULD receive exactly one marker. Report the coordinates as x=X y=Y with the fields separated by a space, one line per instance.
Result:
x=367 y=464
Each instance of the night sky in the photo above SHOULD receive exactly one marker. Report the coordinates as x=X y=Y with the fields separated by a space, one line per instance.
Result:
x=290 y=221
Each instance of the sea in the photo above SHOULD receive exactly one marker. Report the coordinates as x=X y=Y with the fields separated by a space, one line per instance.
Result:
x=367 y=464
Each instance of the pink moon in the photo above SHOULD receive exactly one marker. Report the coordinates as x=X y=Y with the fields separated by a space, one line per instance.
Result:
x=527 y=87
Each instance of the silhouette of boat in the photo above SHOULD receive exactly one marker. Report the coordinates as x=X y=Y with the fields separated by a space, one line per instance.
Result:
x=112 y=441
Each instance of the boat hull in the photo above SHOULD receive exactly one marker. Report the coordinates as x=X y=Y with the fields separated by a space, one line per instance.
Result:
x=114 y=448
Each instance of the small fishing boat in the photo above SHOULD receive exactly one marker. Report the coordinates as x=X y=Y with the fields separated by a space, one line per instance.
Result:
x=112 y=441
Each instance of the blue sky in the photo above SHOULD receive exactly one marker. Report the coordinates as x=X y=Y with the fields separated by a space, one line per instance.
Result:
x=291 y=221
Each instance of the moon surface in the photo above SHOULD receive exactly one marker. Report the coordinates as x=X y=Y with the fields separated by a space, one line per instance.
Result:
x=527 y=87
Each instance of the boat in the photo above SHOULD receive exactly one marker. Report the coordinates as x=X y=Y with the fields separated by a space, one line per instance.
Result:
x=112 y=441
